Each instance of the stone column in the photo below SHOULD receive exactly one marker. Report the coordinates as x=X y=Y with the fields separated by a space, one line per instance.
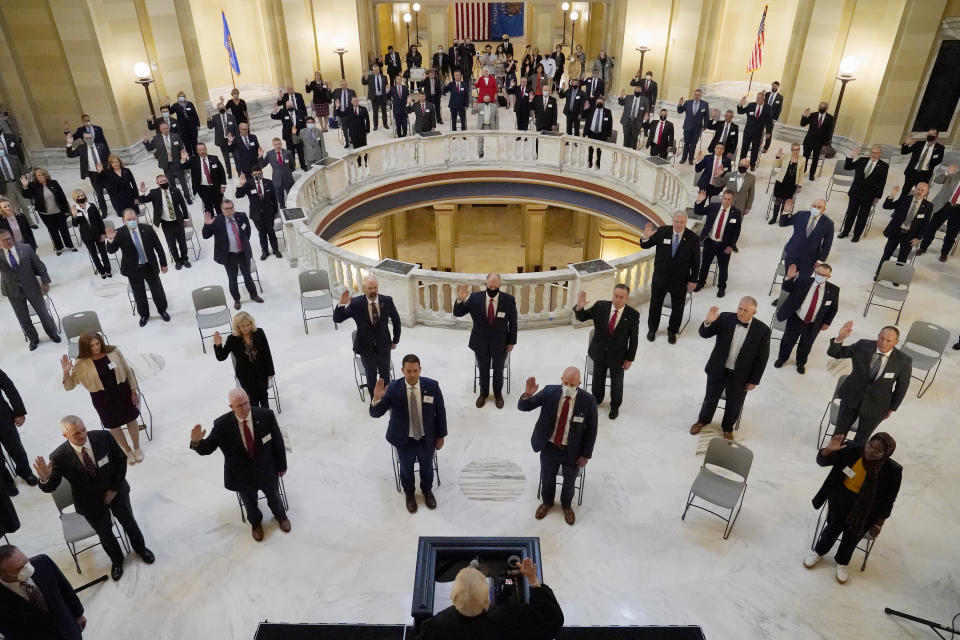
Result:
x=534 y=227
x=445 y=218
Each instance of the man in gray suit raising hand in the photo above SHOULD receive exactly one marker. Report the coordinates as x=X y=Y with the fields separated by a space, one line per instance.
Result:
x=19 y=269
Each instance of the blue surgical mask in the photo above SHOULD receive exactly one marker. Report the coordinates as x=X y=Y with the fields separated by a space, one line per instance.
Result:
x=131 y=224
x=165 y=114
x=819 y=279
x=310 y=125
x=181 y=99
x=814 y=211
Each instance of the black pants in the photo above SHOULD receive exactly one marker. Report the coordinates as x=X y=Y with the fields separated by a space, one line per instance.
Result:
x=258 y=391
x=590 y=156
x=176 y=239
x=752 y=144
x=401 y=124
x=839 y=505
x=250 y=503
x=39 y=304
x=711 y=250
x=189 y=136
x=573 y=123
x=211 y=197
x=458 y=113
x=797 y=331
x=950 y=213
x=678 y=296
x=659 y=150
x=630 y=135
x=736 y=392
x=553 y=459
x=103 y=525
x=848 y=414
x=768 y=135
x=600 y=368
x=181 y=176
x=267 y=234
x=379 y=107
x=899 y=242
x=98 y=253
x=436 y=107
x=416 y=451
x=487 y=359
x=913 y=176
x=56 y=224
x=812 y=154
x=227 y=154
x=523 y=120
x=858 y=210
x=99 y=185
x=141 y=277
x=10 y=439
x=375 y=367
x=238 y=262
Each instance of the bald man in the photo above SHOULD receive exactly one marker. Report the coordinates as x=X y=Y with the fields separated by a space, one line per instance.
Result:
x=372 y=312
x=564 y=436
x=254 y=458
x=869 y=179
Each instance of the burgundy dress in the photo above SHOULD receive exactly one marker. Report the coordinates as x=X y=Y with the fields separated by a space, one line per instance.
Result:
x=113 y=404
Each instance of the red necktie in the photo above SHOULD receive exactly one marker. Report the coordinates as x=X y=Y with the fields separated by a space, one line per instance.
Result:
x=820 y=122
x=807 y=319
x=279 y=157
x=236 y=234
x=956 y=196
x=259 y=189
x=356 y=111
x=723 y=216
x=757 y=112
x=88 y=463
x=206 y=171
x=491 y=313
x=248 y=441
x=423 y=107
x=659 y=132
x=562 y=422
x=613 y=322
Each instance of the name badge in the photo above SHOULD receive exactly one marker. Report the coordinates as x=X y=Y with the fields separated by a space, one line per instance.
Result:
x=267 y=438
x=888 y=375
x=501 y=314
x=102 y=461
x=428 y=399
x=666 y=241
x=847 y=471
x=921 y=216
x=577 y=418
x=111 y=365
x=828 y=303
x=731 y=221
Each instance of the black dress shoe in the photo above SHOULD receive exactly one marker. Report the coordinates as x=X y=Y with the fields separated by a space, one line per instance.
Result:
x=143 y=321
x=264 y=256
x=772 y=220
x=672 y=338
x=146 y=555
x=103 y=276
x=32 y=346
x=411 y=504
x=56 y=339
x=278 y=254
x=165 y=316
x=854 y=240
x=116 y=571
x=721 y=293
x=178 y=266
x=842 y=236
x=651 y=335
x=429 y=500
x=12 y=489
x=498 y=400
x=614 y=413
x=956 y=347
x=800 y=369
x=943 y=257
x=187 y=264
x=31 y=480
x=697 y=288
x=777 y=364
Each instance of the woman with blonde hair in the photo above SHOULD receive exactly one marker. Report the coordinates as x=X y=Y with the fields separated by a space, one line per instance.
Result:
x=253 y=363
x=89 y=219
x=786 y=186
x=103 y=371
x=51 y=203
x=121 y=186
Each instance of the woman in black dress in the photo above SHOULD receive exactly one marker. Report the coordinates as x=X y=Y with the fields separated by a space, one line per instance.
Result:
x=51 y=203
x=238 y=107
x=103 y=371
x=253 y=364
x=786 y=185
x=121 y=186
x=85 y=216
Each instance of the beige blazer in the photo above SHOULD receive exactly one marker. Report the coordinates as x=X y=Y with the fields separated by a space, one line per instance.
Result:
x=781 y=165
x=84 y=372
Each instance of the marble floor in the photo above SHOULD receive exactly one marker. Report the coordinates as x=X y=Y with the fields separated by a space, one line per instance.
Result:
x=629 y=560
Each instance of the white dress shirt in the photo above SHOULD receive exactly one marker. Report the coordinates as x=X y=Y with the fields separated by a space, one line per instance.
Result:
x=167 y=214
x=566 y=427
x=418 y=398
x=78 y=451
x=716 y=233
x=805 y=306
x=93 y=158
x=619 y=315
x=736 y=343
x=16 y=255
x=883 y=362
x=375 y=301
x=249 y=421
x=924 y=163
x=205 y=160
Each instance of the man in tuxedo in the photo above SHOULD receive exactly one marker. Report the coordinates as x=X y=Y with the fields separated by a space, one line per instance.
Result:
x=378 y=88
x=357 y=124
x=869 y=179
x=441 y=62
x=170 y=213
x=876 y=386
x=759 y=116
x=141 y=261
x=911 y=213
x=695 y=120
x=636 y=111
x=564 y=436
x=342 y=102
x=925 y=156
x=736 y=363
x=660 y=138
x=96 y=468
x=245 y=147
x=263 y=210
x=725 y=132
x=87 y=126
x=188 y=122
x=647 y=86
x=811 y=239
x=314 y=148
x=522 y=102
x=290 y=95
x=742 y=183
x=393 y=64
x=808 y=309
x=676 y=267
x=23 y=279
x=400 y=99
x=721 y=230
x=459 y=91
x=37 y=601
x=712 y=170
x=166 y=147
x=598 y=125
x=573 y=101
x=291 y=122
x=947 y=208
x=12 y=416
x=494 y=333
x=433 y=89
x=819 y=133
x=424 y=116
x=254 y=457
x=281 y=164
x=417 y=427
x=774 y=101
x=93 y=163
x=231 y=248
x=223 y=124
x=616 y=328
x=207 y=177
x=372 y=313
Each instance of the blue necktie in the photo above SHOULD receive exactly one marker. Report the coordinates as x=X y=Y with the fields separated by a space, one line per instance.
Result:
x=676 y=243
x=140 y=253
x=13 y=261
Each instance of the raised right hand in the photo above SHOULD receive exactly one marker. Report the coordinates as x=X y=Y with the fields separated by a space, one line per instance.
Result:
x=894 y=191
x=110 y=232
x=701 y=196
x=532 y=386
x=462 y=292
x=207 y=217
x=146 y=137
x=197 y=433
x=712 y=315
x=836 y=442
x=581 y=299
x=65 y=364
x=855 y=152
x=806 y=111
x=345 y=297
x=229 y=138
x=791 y=272
x=143 y=187
x=24 y=181
x=845 y=330
x=242 y=179
x=379 y=390
x=648 y=230
x=217 y=338
x=42 y=468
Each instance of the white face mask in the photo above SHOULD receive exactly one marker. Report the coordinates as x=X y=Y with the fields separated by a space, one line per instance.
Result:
x=26 y=572
x=569 y=391
x=814 y=211
x=819 y=279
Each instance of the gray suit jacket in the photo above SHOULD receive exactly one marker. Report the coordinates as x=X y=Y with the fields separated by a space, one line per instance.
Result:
x=282 y=174
x=949 y=186
x=494 y=115
x=22 y=282
x=160 y=152
x=742 y=197
x=628 y=109
x=313 y=150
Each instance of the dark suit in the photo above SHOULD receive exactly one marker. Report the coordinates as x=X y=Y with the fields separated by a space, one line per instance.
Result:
x=441 y=62
x=220 y=131
x=245 y=474
x=246 y=155
x=288 y=121
x=373 y=342
x=573 y=100
x=632 y=123
x=22 y=619
x=581 y=437
x=433 y=420
x=147 y=273
x=521 y=106
x=547 y=116
x=705 y=169
x=379 y=102
x=863 y=398
x=774 y=102
x=281 y=165
x=759 y=117
x=594 y=130
x=489 y=341
x=806 y=250
x=96 y=131
x=946 y=209
x=213 y=173
x=392 y=61
x=459 y=99
x=913 y=173
x=89 y=491
x=26 y=233
x=90 y=223
x=357 y=126
x=232 y=261
x=671 y=274
x=169 y=164
x=433 y=88
x=610 y=350
x=399 y=94
x=862 y=194
x=648 y=88
x=797 y=329
x=540 y=619
x=11 y=406
x=818 y=134
x=694 y=122
x=713 y=248
x=425 y=116
x=747 y=369
x=55 y=222
x=20 y=286
x=263 y=211
x=168 y=203
x=97 y=180
x=298 y=104
x=593 y=88
x=188 y=122
x=659 y=145
x=899 y=239
x=730 y=142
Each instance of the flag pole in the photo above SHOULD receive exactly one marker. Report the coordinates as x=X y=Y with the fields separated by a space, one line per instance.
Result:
x=230 y=64
x=750 y=84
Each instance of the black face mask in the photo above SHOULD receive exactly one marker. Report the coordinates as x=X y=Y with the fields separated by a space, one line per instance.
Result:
x=222 y=111
x=663 y=118
x=822 y=110
x=742 y=169
x=81 y=200
x=165 y=185
x=637 y=93
x=492 y=292
x=931 y=138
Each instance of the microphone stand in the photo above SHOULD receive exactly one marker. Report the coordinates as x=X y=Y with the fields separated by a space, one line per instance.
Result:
x=930 y=623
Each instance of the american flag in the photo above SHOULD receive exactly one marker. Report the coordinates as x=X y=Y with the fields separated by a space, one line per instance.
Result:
x=473 y=21
x=756 y=58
